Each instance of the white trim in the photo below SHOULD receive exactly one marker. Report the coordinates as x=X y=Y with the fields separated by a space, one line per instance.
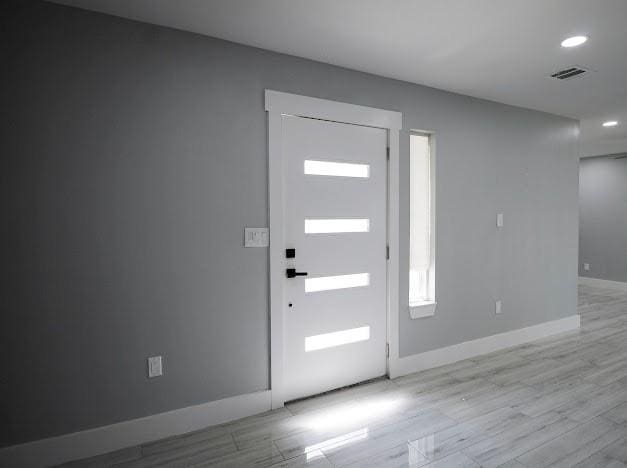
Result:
x=303 y=106
x=489 y=344
x=394 y=245
x=422 y=309
x=106 y=439
x=601 y=283
x=276 y=211
x=278 y=104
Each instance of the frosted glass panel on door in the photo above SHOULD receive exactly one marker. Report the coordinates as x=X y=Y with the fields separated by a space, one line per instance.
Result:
x=336 y=169
x=338 y=338
x=324 y=226
x=326 y=283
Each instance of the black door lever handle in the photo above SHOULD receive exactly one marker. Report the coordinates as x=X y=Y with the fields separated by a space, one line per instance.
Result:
x=292 y=273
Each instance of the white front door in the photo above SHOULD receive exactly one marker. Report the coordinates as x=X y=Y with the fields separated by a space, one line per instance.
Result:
x=335 y=206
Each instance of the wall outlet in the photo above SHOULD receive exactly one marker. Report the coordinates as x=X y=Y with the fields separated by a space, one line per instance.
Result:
x=498 y=307
x=586 y=266
x=256 y=237
x=155 y=368
x=499 y=220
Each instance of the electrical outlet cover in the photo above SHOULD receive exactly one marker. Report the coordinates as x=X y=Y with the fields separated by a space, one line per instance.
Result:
x=499 y=220
x=155 y=368
x=256 y=237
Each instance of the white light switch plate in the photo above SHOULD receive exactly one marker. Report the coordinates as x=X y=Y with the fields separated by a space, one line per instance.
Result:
x=499 y=220
x=256 y=237
x=586 y=266
x=155 y=368
x=498 y=307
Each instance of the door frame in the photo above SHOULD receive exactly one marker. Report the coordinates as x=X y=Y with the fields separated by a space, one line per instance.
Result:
x=278 y=104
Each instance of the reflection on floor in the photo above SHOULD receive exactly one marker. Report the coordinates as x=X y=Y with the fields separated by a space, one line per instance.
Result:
x=556 y=402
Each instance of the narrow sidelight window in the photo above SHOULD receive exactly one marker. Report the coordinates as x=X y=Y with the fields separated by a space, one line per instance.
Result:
x=421 y=262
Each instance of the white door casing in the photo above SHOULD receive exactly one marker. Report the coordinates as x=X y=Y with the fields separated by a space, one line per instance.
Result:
x=287 y=131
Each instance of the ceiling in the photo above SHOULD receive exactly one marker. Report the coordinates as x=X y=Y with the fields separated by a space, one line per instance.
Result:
x=502 y=50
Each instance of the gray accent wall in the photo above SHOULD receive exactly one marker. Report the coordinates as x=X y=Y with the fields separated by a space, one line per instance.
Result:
x=132 y=158
x=603 y=217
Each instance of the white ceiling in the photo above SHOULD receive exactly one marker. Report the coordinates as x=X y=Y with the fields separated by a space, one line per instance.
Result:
x=501 y=50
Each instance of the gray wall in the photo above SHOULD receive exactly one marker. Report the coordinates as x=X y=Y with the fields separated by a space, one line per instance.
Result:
x=132 y=158
x=603 y=218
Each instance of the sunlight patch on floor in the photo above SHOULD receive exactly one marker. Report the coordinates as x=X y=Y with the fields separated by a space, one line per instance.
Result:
x=351 y=413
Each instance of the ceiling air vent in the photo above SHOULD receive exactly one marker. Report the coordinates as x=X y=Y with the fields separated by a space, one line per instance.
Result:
x=569 y=73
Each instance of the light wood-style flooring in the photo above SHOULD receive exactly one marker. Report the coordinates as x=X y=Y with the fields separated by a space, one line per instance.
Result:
x=558 y=402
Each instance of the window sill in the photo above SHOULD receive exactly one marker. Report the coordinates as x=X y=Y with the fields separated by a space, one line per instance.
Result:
x=422 y=309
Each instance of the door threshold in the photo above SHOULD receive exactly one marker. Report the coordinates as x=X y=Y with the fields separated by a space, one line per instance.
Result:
x=338 y=390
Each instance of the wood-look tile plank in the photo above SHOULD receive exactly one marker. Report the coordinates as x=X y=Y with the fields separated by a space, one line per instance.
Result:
x=455 y=438
x=510 y=444
x=106 y=460
x=400 y=456
x=179 y=455
x=313 y=459
x=618 y=414
x=583 y=453
x=384 y=438
x=261 y=456
x=554 y=397
x=595 y=403
x=457 y=460
x=570 y=443
x=206 y=438
x=477 y=405
x=512 y=464
x=612 y=456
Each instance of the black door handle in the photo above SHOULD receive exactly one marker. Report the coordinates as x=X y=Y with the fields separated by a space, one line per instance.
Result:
x=292 y=273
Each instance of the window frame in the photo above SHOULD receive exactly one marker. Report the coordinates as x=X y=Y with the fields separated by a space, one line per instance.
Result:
x=427 y=307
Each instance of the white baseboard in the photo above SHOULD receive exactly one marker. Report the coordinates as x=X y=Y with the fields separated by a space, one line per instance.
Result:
x=489 y=344
x=105 y=439
x=601 y=283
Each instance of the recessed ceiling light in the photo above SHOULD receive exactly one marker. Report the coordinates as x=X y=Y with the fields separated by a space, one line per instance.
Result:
x=610 y=123
x=574 y=41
